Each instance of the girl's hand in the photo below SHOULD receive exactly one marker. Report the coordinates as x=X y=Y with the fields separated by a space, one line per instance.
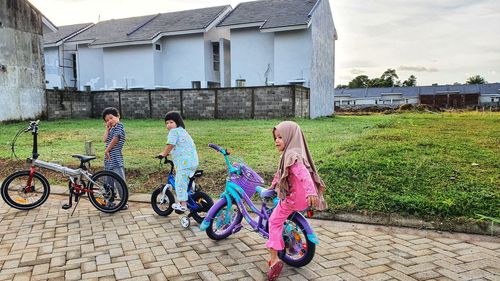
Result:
x=106 y=153
x=312 y=200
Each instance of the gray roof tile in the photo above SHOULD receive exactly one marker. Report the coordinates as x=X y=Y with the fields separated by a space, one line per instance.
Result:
x=275 y=13
x=147 y=27
x=62 y=32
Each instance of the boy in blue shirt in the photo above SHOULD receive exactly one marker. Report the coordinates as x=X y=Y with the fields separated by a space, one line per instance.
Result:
x=114 y=137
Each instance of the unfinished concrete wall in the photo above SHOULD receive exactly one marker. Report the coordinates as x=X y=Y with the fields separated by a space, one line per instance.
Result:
x=22 y=81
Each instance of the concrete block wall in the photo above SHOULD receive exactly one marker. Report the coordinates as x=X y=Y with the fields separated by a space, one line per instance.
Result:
x=198 y=104
x=234 y=103
x=302 y=102
x=101 y=100
x=62 y=105
x=220 y=103
x=164 y=101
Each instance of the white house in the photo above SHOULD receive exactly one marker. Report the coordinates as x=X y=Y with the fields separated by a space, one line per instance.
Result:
x=284 y=42
x=60 y=58
x=172 y=50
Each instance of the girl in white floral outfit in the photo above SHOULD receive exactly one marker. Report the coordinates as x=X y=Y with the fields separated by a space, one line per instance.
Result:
x=184 y=155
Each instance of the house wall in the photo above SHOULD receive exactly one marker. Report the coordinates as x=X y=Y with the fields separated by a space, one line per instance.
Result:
x=183 y=60
x=130 y=66
x=223 y=103
x=51 y=57
x=22 y=78
x=292 y=56
x=90 y=68
x=157 y=64
x=252 y=52
x=225 y=68
x=323 y=61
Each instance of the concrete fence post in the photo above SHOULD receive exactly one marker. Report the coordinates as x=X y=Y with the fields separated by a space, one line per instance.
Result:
x=89 y=148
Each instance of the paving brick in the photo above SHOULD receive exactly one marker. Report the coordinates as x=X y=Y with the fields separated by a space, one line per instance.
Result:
x=139 y=245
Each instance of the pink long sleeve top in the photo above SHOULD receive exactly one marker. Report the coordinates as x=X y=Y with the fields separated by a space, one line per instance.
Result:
x=301 y=186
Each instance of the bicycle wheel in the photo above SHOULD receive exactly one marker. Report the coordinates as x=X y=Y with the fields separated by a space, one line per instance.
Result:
x=204 y=202
x=109 y=192
x=219 y=228
x=299 y=250
x=17 y=194
x=162 y=206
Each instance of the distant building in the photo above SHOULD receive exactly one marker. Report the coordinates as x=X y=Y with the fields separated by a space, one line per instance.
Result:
x=442 y=96
x=22 y=81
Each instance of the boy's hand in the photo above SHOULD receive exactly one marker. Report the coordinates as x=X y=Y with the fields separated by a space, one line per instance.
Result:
x=312 y=200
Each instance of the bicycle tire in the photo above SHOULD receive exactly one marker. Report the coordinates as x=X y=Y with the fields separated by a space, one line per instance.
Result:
x=155 y=197
x=105 y=202
x=206 y=202
x=309 y=250
x=229 y=229
x=17 y=203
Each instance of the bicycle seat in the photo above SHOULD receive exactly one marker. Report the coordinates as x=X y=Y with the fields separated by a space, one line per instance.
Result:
x=197 y=174
x=267 y=193
x=84 y=158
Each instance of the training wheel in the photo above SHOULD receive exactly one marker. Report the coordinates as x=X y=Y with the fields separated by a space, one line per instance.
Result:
x=185 y=222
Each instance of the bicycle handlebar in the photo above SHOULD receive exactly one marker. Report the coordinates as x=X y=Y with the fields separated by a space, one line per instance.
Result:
x=166 y=161
x=226 y=158
x=218 y=148
x=33 y=125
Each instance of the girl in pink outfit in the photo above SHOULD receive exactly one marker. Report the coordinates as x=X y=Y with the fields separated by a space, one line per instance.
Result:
x=298 y=186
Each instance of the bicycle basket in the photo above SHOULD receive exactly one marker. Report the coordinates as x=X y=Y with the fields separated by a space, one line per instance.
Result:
x=248 y=179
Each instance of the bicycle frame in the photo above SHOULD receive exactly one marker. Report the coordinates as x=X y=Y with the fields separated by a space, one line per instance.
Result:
x=170 y=184
x=236 y=193
x=68 y=172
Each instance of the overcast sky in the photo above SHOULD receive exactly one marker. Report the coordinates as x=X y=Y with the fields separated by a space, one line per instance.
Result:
x=438 y=41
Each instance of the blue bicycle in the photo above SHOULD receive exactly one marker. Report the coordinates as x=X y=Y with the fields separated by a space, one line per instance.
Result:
x=198 y=202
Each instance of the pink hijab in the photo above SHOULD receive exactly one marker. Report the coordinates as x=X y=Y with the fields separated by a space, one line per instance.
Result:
x=296 y=150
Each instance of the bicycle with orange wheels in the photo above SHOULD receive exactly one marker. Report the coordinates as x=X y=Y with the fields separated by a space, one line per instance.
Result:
x=28 y=189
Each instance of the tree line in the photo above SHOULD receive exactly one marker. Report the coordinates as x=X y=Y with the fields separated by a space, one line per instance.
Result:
x=390 y=79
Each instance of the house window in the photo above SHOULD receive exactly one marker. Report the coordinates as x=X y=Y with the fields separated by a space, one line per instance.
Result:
x=73 y=62
x=240 y=82
x=216 y=55
x=196 y=84
x=158 y=47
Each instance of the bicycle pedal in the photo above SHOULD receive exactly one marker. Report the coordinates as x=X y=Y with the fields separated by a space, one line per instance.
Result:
x=237 y=228
x=179 y=212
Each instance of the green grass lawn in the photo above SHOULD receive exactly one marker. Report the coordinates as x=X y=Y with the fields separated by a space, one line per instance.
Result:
x=428 y=165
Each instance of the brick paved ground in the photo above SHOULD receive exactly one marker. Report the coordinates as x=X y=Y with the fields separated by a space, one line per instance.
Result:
x=48 y=244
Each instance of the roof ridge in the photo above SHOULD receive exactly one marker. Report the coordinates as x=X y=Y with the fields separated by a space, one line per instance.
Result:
x=139 y=26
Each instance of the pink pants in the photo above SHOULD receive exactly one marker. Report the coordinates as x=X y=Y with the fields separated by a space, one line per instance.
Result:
x=295 y=201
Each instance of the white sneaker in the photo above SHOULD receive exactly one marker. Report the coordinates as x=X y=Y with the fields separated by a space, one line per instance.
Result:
x=179 y=207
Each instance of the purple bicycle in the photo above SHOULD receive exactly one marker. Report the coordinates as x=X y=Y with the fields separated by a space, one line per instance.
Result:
x=225 y=217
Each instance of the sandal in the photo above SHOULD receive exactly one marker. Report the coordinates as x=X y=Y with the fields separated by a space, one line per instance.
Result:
x=274 y=271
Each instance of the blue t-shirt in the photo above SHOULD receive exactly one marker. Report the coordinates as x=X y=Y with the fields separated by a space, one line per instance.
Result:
x=116 y=152
x=184 y=154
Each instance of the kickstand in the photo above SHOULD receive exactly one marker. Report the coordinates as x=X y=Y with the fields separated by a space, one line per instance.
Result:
x=76 y=205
